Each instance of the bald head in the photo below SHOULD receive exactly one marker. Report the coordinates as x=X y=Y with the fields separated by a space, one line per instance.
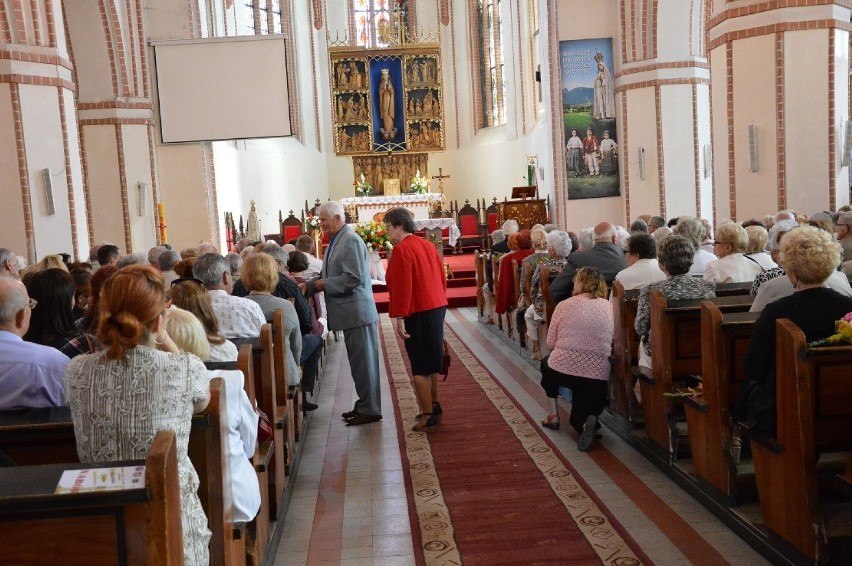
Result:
x=605 y=233
x=14 y=314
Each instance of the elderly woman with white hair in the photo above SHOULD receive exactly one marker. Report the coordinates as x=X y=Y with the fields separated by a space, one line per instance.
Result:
x=775 y=233
x=497 y=237
x=586 y=239
x=732 y=266
x=558 y=248
x=810 y=256
x=758 y=240
x=694 y=230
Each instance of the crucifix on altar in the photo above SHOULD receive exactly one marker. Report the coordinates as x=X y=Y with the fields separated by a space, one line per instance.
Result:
x=440 y=176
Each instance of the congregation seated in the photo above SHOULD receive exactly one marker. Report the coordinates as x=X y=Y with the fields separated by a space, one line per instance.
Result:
x=732 y=266
x=775 y=233
x=82 y=291
x=120 y=397
x=191 y=295
x=235 y=262
x=89 y=322
x=674 y=255
x=606 y=256
x=520 y=246
x=758 y=239
x=558 y=247
x=305 y=246
x=8 y=263
x=696 y=232
x=167 y=262
x=809 y=256
x=497 y=237
x=108 y=254
x=31 y=375
x=52 y=323
x=285 y=288
x=844 y=234
x=189 y=335
x=640 y=252
x=297 y=266
x=780 y=287
x=238 y=317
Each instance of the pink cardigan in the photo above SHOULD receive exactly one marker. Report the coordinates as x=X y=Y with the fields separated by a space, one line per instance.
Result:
x=580 y=337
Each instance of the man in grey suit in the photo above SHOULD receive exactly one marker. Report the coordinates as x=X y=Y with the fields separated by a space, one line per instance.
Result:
x=605 y=255
x=345 y=279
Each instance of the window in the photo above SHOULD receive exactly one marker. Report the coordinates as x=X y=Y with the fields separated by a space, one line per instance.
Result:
x=374 y=22
x=490 y=96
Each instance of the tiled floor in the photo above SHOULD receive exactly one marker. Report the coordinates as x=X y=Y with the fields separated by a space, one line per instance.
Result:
x=349 y=507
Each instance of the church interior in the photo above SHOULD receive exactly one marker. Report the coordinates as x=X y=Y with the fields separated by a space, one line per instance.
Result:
x=141 y=123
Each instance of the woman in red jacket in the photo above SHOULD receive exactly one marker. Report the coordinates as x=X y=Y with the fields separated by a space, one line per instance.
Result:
x=521 y=245
x=419 y=314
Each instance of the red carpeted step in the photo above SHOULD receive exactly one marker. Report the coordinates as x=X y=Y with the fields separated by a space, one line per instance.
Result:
x=456 y=297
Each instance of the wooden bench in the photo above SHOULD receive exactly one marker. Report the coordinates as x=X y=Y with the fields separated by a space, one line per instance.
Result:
x=263 y=364
x=724 y=341
x=257 y=532
x=208 y=450
x=479 y=263
x=287 y=396
x=814 y=417
x=37 y=436
x=495 y=275
x=732 y=289
x=133 y=526
x=626 y=351
x=676 y=355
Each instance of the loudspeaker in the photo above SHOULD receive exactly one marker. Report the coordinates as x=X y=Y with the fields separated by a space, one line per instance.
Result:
x=47 y=182
x=752 y=146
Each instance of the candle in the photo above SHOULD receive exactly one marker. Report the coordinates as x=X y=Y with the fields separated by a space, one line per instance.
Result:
x=161 y=214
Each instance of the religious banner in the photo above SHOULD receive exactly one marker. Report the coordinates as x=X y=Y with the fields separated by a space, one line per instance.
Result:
x=588 y=114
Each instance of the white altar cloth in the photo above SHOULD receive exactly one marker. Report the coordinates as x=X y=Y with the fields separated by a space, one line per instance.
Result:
x=442 y=223
x=366 y=207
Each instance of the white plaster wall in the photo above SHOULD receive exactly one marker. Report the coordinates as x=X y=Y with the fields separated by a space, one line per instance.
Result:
x=754 y=103
x=678 y=149
x=76 y=166
x=104 y=185
x=642 y=125
x=702 y=93
x=138 y=169
x=43 y=142
x=12 y=229
x=91 y=57
x=673 y=19
x=182 y=190
x=841 y=116
x=721 y=161
x=806 y=120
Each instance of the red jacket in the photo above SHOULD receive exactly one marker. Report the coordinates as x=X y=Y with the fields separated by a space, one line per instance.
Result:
x=415 y=278
x=506 y=293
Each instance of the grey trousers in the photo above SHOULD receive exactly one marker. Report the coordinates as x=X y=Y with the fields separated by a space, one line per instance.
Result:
x=362 y=349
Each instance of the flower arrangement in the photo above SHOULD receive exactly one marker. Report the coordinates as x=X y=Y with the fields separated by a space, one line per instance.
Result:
x=363 y=188
x=312 y=222
x=375 y=235
x=419 y=185
x=843 y=335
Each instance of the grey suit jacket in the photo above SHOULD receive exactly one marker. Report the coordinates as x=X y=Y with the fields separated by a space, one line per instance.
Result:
x=607 y=257
x=348 y=291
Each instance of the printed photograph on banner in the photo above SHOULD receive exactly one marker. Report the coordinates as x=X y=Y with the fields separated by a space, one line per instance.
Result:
x=588 y=116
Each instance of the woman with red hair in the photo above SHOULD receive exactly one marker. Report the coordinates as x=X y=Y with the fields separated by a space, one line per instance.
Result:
x=520 y=244
x=140 y=384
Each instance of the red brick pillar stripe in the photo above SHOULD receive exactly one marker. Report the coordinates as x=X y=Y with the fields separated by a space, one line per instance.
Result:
x=122 y=175
x=110 y=48
x=444 y=11
x=729 y=111
x=69 y=179
x=455 y=88
x=651 y=32
x=121 y=69
x=136 y=46
x=623 y=13
x=19 y=23
x=696 y=150
x=625 y=149
x=86 y=189
x=5 y=30
x=318 y=15
x=38 y=36
x=144 y=88
x=779 y=121
x=560 y=179
x=51 y=23
x=832 y=135
x=152 y=157
x=661 y=160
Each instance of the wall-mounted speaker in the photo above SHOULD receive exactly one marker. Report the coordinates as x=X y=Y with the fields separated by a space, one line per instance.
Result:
x=142 y=198
x=642 y=163
x=47 y=183
x=752 y=146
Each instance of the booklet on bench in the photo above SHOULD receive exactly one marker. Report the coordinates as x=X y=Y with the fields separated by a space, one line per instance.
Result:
x=101 y=479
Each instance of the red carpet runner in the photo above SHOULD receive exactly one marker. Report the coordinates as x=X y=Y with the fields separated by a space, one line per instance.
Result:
x=487 y=487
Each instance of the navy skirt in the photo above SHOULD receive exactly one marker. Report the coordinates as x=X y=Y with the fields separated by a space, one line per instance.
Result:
x=425 y=348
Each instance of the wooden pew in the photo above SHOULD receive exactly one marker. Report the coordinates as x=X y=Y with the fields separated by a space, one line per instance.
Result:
x=813 y=418
x=625 y=350
x=287 y=404
x=37 y=436
x=267 y=400
x=731 y=289
x=208 y=450
x=676 y=354
x=257 y=532
x=133 y=527
x=479 y=263
x=513 y=305
x=549 y=305
x=495 y=270
x=724 y=341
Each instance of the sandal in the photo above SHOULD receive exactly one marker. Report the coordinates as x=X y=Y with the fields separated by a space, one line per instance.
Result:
x=551 y=422
x=437 y=411
x=430 y=425
x=536 y=356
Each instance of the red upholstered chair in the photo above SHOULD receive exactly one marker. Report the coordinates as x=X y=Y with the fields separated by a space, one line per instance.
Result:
x=492 y=221
x=468 y=223
x=291 y=228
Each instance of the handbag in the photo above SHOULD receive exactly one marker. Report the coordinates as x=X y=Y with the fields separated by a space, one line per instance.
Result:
x=446 y=366
x=264 y=427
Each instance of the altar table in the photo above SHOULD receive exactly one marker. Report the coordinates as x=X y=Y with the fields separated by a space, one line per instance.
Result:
x=364 y=208
x=441 y=223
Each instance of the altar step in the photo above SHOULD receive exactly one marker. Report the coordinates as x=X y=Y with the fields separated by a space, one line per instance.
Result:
x=461 y=286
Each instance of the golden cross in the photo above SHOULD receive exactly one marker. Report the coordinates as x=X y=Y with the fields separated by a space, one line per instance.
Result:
x=440 y=176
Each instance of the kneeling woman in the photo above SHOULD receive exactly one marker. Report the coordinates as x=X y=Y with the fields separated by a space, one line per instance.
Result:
x=580 y=340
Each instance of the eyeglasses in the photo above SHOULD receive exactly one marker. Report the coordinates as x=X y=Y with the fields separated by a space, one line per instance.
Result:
x=32 y=304
x=718 y=243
